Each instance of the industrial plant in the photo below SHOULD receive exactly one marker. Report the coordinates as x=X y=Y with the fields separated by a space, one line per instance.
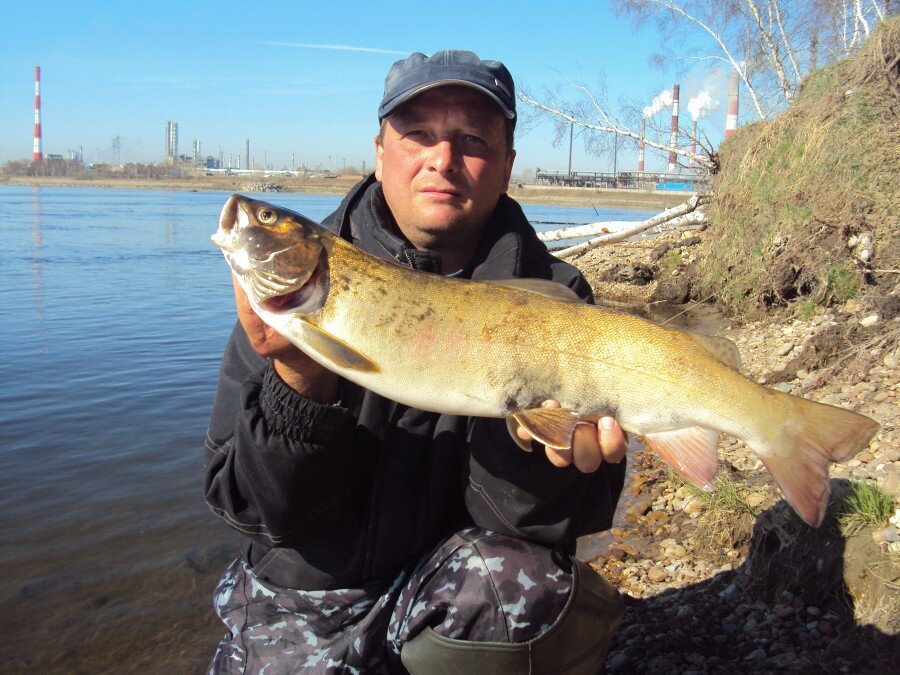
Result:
x=678 y=176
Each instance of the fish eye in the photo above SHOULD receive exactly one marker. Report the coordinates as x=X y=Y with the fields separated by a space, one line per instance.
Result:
x=266 y=215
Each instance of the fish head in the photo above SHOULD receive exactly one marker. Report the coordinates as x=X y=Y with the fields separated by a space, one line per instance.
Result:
x=278 y=256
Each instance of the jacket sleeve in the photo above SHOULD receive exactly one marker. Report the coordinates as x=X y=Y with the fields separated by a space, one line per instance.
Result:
x=272 y=454
x=523 y=494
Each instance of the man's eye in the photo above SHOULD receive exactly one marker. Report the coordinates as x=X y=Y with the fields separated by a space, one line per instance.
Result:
x=471 y=138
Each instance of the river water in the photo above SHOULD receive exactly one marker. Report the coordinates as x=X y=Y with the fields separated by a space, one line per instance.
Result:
x=116 y=309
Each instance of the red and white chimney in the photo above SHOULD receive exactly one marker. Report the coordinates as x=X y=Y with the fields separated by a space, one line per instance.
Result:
x=38 y=151
x=641 y=145
x=732 y=118
x=673 y=141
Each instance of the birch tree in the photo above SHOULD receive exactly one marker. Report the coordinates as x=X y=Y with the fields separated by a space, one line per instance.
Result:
x=771 y=44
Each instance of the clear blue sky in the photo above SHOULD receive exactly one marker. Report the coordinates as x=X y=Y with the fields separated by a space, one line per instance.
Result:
x=294 y=77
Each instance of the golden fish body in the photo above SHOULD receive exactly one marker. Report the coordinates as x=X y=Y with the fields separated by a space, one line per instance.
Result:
x=499 y=349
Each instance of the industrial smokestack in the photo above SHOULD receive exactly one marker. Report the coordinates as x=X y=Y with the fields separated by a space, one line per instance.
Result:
x=641 y=145
x=247 y=158
x=673 y=142
x=38 y=147
x=732 y=118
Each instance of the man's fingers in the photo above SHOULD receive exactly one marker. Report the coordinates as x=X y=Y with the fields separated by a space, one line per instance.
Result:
x=613 y=441
x=586 y=454
x=560 y=458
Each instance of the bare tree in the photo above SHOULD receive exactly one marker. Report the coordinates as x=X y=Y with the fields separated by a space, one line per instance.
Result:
x=772 y=45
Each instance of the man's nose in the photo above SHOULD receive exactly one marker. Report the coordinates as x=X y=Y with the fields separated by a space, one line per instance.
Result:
x=443 y=156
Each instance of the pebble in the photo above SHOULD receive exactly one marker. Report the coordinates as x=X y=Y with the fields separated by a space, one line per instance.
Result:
x=657 y=574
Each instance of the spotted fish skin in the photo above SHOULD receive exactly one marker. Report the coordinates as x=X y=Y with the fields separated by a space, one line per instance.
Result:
x=499 y=349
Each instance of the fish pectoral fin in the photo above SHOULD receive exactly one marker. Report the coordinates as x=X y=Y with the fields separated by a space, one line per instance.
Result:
x=721 y=347
x=691 y=452
x=335 y=350
x=513 y=426
x=550 y=289
x=551 y=426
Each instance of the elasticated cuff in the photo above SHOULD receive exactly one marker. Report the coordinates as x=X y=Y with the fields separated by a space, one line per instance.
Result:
x=293 y=414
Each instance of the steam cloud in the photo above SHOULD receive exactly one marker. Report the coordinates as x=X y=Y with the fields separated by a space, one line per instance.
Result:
x=701 y=105
x=663 y=100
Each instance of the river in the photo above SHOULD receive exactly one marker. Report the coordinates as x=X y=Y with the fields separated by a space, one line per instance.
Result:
x=116 y=310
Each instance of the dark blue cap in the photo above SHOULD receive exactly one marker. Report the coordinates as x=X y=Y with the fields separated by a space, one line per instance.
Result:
x=418 y=73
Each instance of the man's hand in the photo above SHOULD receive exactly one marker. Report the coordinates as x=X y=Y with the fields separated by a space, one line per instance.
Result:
x=294 y=367
x=591 y=444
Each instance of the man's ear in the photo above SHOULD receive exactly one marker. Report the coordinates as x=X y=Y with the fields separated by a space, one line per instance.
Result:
x=508 y=170
x=379 y=156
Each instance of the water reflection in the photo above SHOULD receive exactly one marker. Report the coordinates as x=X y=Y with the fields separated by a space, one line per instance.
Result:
x=37 y=270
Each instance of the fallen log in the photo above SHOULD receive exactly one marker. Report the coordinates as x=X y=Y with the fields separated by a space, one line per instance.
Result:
x=678 y=216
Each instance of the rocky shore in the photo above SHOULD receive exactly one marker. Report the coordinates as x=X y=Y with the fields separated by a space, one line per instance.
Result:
x=736 y=581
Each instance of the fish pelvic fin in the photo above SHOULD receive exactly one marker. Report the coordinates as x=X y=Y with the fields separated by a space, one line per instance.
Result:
x=815 y=435
x=335 y=350
x=691 y=452
x=551 y=426
x=513 y=427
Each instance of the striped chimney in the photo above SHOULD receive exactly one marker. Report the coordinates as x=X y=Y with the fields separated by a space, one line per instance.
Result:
x=38 y=150
x=676 y=89
x=641 y=145
x=693 y=142
x=732 y=118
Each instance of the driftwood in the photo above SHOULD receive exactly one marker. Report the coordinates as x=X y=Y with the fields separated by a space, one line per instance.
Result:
x=678 y=216
x=587 y=230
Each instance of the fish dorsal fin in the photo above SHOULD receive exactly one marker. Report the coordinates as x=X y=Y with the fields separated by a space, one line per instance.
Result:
x=551 y=426
x=720 y=347
x=691 y=452
x=550 y=289
x=335 y=350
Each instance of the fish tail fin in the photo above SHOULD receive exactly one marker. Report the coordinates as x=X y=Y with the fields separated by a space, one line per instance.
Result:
x=813 y=436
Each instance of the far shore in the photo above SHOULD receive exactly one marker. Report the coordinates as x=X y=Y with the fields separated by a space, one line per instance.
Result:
x=525 y=193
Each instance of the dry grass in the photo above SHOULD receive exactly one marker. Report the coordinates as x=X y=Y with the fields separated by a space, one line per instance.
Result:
x=793 y=191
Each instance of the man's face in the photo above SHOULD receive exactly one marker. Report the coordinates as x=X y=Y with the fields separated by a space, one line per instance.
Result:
x=443 y=162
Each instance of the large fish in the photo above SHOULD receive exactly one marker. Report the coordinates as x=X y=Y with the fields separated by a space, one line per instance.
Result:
x=499 y=349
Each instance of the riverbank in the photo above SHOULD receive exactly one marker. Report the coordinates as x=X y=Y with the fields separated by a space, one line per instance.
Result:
x=737 y=580
x=339 y=185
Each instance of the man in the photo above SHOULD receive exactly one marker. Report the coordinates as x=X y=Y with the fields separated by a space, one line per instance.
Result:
x=377 y=537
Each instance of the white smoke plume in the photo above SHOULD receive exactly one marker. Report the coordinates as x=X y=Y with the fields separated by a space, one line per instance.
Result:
x=701 y=105
x=663 y=100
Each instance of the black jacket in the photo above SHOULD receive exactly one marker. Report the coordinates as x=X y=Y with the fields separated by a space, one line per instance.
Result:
x=344 y=496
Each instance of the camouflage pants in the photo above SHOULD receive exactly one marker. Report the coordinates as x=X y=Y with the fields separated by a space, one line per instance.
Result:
x=479 y=601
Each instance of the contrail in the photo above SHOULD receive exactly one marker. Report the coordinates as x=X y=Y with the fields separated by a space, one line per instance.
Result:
x=341 y=48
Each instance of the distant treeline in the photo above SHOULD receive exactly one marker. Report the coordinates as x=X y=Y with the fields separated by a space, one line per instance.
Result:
x=72 y=168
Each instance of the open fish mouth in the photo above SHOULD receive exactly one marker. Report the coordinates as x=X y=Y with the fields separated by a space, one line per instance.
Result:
x=305 y=298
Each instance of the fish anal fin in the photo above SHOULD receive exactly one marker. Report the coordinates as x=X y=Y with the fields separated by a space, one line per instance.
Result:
x=691 y=452
x=551 y=426
x=720 y=347
x=335 y=350
x=550 y=289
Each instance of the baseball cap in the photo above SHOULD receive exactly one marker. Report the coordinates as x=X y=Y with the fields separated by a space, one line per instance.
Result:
x=418 y=73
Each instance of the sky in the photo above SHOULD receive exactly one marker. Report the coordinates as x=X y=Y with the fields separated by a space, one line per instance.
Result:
x=299 y=78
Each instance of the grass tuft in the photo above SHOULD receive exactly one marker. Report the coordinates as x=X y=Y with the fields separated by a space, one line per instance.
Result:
x=865 y=505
